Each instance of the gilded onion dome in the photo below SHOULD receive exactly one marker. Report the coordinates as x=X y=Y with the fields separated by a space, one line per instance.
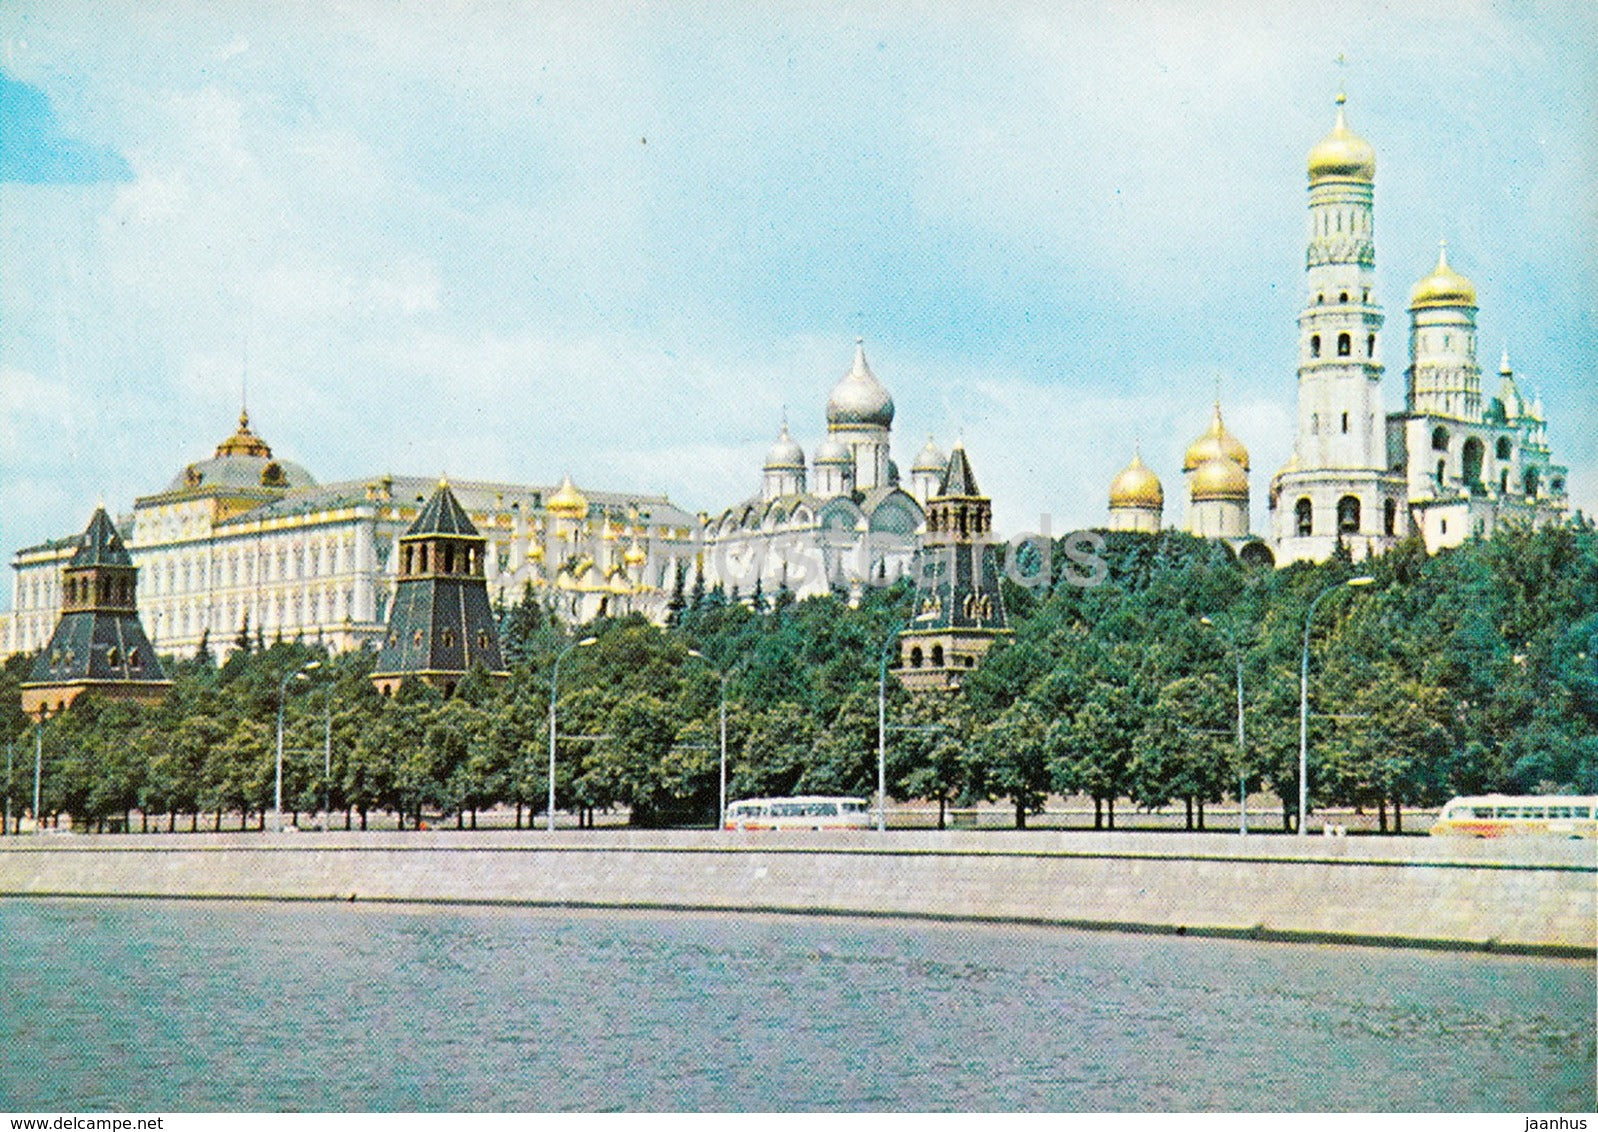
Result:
x=1444 y=287
x=1220 y=478
x=1216 y=441
x=859 y=399
x=930 y=459
x=636 y=555
x=786 y=453
x=1137 y=486
x=1342 y=153
x=567 y=502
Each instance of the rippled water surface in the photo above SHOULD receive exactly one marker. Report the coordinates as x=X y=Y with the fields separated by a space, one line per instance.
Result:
x=150 y=1005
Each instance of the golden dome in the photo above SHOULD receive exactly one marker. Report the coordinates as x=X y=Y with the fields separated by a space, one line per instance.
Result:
x=1342 y=153
x=568 y=502
x=243 y=442
x=1444 y=287
x=1216 y=441
x=1220 y=478
x=636 y=555
x=1137 y=486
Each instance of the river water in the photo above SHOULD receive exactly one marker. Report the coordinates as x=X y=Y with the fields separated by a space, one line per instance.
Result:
x=171 y=1005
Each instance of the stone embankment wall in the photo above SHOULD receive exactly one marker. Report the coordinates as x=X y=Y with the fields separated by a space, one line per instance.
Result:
x=1528 y=896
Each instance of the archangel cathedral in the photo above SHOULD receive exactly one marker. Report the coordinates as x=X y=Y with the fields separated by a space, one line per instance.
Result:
x=1451 y=464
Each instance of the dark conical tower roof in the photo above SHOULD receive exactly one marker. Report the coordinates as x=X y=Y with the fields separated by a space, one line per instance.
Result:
x=443 y=515
x=958 y=479
x=101 y=545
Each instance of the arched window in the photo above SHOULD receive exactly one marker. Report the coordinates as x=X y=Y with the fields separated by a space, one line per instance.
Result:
x=1348 y=515
x=1303 y=514
x=1389 y=518
x=1440 y=439
x=1345 y=424
x=1503 y=449
x=1343 y=298
x=915 y=657
x=937 y=656
x=1503 y=482
x=1471 y=460
x=1370 y=345
x=1345 y=345
x=1314 y=345
x=1531 y=481
x=1442 y=472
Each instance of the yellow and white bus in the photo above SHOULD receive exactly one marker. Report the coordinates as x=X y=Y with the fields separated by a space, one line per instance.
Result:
x=803 y=812
x=1508 y=815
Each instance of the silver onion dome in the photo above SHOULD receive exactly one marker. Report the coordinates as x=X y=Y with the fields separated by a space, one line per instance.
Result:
x=860 y=399
x=786 y=453
x=832 y=451
x=931 y=459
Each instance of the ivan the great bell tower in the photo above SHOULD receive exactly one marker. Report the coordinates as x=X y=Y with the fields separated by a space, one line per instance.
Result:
x=1336 y=487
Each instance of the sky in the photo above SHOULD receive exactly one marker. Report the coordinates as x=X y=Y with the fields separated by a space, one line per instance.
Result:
x=511 y=241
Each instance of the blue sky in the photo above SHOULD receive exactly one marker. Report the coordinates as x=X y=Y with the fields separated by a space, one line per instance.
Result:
x=514 y=240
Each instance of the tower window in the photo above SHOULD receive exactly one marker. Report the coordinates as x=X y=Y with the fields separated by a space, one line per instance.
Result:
x=1440 y=440
x=1531 y=481
x=1345 y=345
x=1314 y=345
x=1345 y=424
x=1343 y=298
x=1348 y=515
x=1390 y=518
x=1319 y=299
x=1303 y=515
x=1442 y=472
x=1370 y=345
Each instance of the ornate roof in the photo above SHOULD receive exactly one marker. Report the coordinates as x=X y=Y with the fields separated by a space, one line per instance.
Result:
x=859 y=399
x=443 y=515
x=1444 y=287
x=1342 y=153
x=1137 y=486
x=958 y=479
x=100 y=545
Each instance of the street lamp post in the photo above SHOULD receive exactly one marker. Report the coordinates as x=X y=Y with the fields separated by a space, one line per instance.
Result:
x=1242 y=775
x=1303 y=703
x=554 y=684
x=38 y=770
x=327 y=760
x=282 y=695
x=721 y=806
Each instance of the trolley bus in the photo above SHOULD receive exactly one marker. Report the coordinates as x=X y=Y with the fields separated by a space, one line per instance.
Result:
x=803 y=812
x=1505 y=815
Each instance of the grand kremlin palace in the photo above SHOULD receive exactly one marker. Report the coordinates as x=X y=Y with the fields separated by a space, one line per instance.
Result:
x=247 y=539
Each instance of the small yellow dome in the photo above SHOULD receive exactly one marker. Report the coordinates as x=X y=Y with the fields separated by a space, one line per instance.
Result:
x=1444 y=287
x=1137 y=486
x=243 y=442
x=1342 y=153
x=567 y=502
x=1220 y=478
x=1216 y=441
x=635 y=556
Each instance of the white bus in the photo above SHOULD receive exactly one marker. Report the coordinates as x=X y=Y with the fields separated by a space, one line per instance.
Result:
x=803 y=812
x=1516 y=815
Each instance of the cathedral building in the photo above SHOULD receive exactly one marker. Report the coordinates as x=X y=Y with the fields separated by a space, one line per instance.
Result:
x=844 y=526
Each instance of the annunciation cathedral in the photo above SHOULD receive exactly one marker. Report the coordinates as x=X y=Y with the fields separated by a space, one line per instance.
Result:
x=1452 y=464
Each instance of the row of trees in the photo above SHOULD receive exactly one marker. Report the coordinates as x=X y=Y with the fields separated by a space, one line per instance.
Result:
x=1469 y=671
